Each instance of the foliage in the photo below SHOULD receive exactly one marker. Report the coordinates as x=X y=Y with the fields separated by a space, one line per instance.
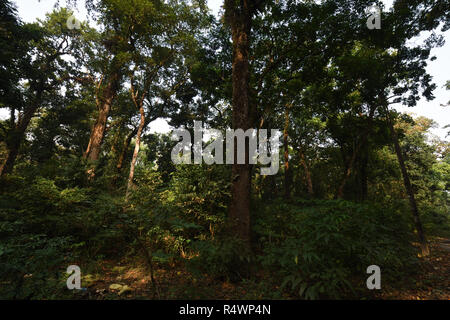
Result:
x=324 y=247
x=221 y=258
x=201 y=194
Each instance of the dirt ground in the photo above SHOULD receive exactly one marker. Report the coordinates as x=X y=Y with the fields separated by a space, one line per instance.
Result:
x=131 y=280
x=433 y=283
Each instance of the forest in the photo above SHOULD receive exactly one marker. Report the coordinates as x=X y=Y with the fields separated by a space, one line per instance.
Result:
x=88 y=184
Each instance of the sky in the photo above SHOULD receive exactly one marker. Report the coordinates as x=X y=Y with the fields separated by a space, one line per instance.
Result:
x=439 y=69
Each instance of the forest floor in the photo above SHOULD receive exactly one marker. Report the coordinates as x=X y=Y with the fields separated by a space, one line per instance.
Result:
x=131 y=280
x=433 y=282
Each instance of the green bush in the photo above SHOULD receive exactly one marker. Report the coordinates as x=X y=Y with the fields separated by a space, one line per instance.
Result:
x=201 y=195
x=31 y=267
x=321 y=249
x=224 y=259
x=44 y=229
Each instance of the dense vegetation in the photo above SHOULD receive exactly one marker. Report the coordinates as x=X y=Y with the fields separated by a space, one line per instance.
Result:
x=84 y=181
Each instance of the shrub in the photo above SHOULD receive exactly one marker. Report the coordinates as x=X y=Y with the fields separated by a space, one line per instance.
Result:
x=201 y=194
x=322 y=249
x=220 y=258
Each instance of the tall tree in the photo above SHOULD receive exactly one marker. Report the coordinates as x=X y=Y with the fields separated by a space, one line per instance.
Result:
x=163 y=45
x=40 y=71
x=239 y=16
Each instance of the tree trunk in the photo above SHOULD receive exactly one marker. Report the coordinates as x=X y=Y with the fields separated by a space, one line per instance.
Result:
x=239 y=17
x=19 y=130
x=409 y=190
x=92 y=152
x=347 y=174
x=15 y=140
x=349 y=169
x=11 y=155
x=363 y=173
x=308 y=178
x=126 y=144
x=287 y=177
x=123 y=151
x=136 y=151
x=104 y=103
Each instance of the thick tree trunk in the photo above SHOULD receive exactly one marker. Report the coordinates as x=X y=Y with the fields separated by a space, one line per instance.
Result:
x=240 y=20
x=104 y=103
x=98 y=132
x=136 y=151
x=409 y=190
x=308 y=178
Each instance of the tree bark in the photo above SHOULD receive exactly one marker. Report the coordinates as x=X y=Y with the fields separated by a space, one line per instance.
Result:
x=136 y=151
x=127 y=141
x=239 y=17
x=98 y=131
x=349 y=169
x=409 y=190
x=308 y=178
x=287 y=176
x=11 y=155
x=123 y=151
x=363 y=173
x=15 y=139
x=104 y=103
x=347 y=174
